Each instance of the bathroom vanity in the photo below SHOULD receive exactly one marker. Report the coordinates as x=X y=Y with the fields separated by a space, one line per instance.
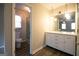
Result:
x=64 y=35
x=63 y=41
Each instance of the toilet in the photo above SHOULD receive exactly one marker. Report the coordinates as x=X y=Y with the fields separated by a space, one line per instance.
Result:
x=18 y=43
x=18 y=38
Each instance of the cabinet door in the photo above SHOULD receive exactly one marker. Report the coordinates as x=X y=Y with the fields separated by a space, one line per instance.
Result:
x=61 y=42
x=50 y=40
x=70 y=44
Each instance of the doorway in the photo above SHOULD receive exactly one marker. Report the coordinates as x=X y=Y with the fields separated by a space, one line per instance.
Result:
x=22 y=30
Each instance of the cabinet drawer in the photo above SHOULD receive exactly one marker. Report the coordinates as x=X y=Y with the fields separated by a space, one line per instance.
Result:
x=50 y=34
x=69 y=37
x=61 y=40
x=51 y=44
x=50 y=40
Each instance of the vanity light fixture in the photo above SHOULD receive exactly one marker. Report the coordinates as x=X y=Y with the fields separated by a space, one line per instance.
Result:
x=53 y=18
x=67 y=15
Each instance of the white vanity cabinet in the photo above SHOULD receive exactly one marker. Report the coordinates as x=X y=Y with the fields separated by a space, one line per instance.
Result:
x=49 y=41
x=62 y=42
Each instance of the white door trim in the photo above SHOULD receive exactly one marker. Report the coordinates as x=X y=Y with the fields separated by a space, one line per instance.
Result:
x=13 y=29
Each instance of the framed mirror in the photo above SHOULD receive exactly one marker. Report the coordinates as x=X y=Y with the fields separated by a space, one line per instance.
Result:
x=66 y=22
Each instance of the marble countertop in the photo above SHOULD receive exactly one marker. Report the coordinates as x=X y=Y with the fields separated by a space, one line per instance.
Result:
x=62 y=32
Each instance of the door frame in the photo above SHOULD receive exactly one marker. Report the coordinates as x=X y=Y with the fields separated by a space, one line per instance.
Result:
x=13 y=29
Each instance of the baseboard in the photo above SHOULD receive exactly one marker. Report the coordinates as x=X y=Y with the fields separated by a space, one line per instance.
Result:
x=38 y=49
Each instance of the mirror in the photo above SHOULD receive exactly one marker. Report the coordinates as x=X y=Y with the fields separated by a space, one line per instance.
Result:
x=66 y=22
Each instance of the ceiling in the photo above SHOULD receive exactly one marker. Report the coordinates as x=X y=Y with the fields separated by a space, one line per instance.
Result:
x=46 y=5
x=22 y=7
x=52 y=5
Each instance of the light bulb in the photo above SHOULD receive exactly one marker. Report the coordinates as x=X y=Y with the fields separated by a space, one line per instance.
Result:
x=28 y=9
x=67 y=15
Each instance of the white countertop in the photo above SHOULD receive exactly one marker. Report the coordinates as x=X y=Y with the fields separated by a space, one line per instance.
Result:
x=62 y=32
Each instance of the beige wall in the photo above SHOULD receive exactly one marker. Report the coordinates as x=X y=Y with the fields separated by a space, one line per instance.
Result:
x=41 y=23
